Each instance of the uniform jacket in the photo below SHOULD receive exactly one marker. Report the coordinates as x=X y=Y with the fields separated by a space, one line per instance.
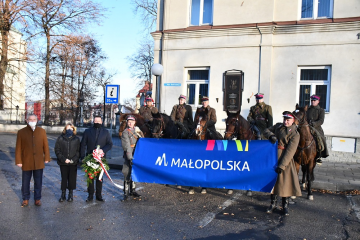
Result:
x=146 y=112
x=67 y=148
x=32 y=148
x=129 y=139
x=89 y=141
x=262 y=114
x=317 y=117
x=211 y=117
x=287 y=183
x=182 y=113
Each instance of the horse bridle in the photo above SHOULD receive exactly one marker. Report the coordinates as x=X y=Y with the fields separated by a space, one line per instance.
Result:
x=236 y=124
x=303 y=123
x=162 y=128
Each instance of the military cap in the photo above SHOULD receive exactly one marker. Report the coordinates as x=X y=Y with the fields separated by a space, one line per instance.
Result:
x=182 y=96
x=288 y=114
x=204 y=98
x=130 y=117
x=315 y=97
x=259 y=96
x=148 y=98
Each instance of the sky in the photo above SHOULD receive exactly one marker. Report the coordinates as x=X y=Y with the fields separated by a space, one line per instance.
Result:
x=119 y=36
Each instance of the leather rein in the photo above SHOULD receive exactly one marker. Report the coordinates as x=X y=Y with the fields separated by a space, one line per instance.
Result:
x=236 y=130
x=304 y=123
x=162 y=128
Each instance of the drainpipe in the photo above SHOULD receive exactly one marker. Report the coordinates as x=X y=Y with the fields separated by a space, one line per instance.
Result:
x=158 y=78
x=259 y=57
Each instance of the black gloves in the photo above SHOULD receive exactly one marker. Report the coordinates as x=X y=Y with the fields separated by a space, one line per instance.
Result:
x=278 y=170
x=273 y=139
x=252 y=122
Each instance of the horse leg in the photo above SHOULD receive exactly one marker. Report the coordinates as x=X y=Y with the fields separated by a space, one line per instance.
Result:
x=308 y=178
x=303 y=181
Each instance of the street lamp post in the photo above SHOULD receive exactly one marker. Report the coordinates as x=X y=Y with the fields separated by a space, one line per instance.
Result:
x=157 y=70
x=17 y=111
x=81 y=103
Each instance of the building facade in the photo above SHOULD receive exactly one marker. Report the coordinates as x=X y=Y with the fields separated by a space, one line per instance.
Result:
x=288 y=50
x=15 y=80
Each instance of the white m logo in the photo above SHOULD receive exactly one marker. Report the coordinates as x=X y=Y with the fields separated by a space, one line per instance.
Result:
x=160 y=160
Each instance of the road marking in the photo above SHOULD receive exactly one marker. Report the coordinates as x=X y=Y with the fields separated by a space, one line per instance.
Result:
x=354 y=207
x=210 y=216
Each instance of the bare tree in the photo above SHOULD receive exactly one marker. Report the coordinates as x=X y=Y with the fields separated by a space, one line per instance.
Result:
x=130 y=103
x=148 y=11
x=140 y=63
x=10 y=13
x=55 y=18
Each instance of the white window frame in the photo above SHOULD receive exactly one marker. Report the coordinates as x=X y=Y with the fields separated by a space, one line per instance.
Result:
x=315 y=10
x=197 y=85
x=201 y=14
x=314 y=83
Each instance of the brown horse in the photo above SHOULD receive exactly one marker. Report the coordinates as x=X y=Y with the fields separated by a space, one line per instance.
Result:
x=306 y=152
x=140 y=122
x=201 y=131
x=238 y=128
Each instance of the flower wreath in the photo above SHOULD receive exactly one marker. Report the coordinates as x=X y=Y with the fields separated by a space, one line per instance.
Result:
x=94 y=164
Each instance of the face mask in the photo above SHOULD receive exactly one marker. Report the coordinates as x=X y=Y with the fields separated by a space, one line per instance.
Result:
x=97 y=125
x=32 y=124
x=69 y=132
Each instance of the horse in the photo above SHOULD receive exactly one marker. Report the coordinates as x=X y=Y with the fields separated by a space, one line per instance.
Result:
x=164 y=127
x=306 y=152
x=238 y=128
x=140 y=122
x=201 y=132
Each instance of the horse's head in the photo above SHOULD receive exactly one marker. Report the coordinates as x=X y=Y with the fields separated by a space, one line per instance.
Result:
x=200 y=121
x=232 y=125
x=123 y=124
x=158 y=125
x=300 y=114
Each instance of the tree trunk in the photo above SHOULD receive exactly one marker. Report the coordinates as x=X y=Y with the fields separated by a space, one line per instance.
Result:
x=47 y=80
x=3 y=63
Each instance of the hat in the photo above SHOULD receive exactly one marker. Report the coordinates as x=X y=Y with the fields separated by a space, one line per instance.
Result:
x=204 y=98
x=288 y=114
x=315 y=97
x=182 y=96
x=148 y=98
x=130 y=117
x=259 y=96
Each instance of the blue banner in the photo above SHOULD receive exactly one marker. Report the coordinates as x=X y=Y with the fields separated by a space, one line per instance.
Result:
x=240 y=164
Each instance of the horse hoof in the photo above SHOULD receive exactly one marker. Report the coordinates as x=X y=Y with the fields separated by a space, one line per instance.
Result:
x=303 y=187
x=249 y=193
x=311 y=197
x=293 y=197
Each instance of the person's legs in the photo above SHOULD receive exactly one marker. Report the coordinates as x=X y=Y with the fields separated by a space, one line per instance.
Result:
x=72 y=177
x=38 y=176
x=25 y=187
x=99 y=188
x=64 y=170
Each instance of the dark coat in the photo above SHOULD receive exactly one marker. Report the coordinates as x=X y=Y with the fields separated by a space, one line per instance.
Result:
x=287 y=183
x=261 y=113
x=183 y=114
x=316 y=116
x=211 y=117
x=147 y=112
x=32 y=148
x=67 y=148
x=89 y=141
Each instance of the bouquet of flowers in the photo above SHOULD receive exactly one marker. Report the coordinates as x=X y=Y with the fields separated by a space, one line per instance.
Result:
x=94 y=164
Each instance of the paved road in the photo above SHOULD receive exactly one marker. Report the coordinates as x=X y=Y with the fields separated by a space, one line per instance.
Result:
x=165 y=212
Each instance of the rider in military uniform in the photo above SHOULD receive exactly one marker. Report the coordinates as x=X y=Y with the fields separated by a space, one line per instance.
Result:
x=128 y=141
x=181 y=114
x=260 y=115
x=147 y=110
x=315 y=116
x=211 y=117
x=287 y=183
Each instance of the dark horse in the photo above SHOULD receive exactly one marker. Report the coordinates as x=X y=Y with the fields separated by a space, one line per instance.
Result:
x=164 y=127
x=238 y=128
x=306 y=152
x=140 y=122
x=201 y=131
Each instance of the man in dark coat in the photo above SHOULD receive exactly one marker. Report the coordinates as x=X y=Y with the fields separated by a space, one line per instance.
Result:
x=211 y=118
x=31 y=154
x=181 y=114
x=147 y=110
x=260 y=115
x=92 y=137
x=315 y=116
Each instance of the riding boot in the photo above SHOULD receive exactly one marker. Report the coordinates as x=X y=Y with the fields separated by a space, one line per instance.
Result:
x=257 y=132
x=126 y=191
x=70 y=197
x=63 y=197
x=285 y=204
x=132 y=190
x=273 y=198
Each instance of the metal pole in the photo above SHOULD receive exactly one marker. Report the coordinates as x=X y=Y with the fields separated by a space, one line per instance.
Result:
x=104 y=107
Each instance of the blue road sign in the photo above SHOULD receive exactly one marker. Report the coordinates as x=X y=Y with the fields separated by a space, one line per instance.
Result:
x=112 y=94
x=172 y=84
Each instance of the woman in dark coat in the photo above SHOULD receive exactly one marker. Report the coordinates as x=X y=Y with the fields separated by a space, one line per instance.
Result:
x=67 y=149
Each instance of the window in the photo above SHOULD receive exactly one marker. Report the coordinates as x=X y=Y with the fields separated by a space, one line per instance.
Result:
x=197 y=86
x=201 y=12
x=315 y=80
x=316 y=8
